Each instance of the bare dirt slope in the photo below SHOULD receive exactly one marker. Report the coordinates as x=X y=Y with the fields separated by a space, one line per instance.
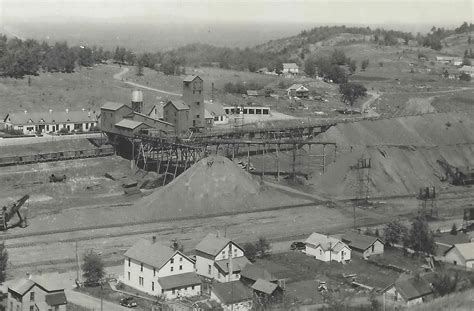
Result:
x=214 y=185
x=403 y=152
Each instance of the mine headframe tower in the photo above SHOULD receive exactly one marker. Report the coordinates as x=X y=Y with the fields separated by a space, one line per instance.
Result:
x=427 y=201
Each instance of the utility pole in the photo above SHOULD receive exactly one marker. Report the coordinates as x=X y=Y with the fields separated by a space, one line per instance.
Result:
x=77 y=264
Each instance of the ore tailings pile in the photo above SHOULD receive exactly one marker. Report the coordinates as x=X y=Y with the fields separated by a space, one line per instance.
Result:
x=404 y=154
x=213 y=186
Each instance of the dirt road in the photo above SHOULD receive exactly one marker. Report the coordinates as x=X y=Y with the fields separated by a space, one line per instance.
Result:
x=119 y=76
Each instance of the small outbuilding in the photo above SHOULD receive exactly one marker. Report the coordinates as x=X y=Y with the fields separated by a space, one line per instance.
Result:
x=326 y=248
x=365 y=244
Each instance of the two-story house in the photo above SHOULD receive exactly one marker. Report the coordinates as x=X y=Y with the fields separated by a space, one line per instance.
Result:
x=158 y=270
x=33 y=295
x=220 y=259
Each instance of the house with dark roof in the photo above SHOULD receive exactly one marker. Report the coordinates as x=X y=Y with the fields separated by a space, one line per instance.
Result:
x=364 y=244
x=326 y=248
x=267 y=292
x=253 y=272
x=219 y=258
x=50 y=122
x=232 y=296
x=32 y=294
x=158 y=270
x=409 y=290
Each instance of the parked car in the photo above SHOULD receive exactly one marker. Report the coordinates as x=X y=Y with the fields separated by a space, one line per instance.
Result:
x=297 y=246
x=128 y=302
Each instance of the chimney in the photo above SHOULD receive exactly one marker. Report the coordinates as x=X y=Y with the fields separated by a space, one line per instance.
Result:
x=153 y=238
x=28 y=276
x=359 y=230
x=67 y=110
x=83 y=109
x=229 y=264
x=50 y=111
x=26 y=111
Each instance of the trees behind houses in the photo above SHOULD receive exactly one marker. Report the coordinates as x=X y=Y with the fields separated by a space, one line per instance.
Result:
x=259 y=249
x=3 y=262
x=394 y=232
x=93 y=268
x=420 y=238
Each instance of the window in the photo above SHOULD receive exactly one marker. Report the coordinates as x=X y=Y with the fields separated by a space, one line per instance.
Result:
x=180 y=267
x=171 y=269
x=140 y=281
x=180 y=259
x=152 y=286
x=32 y=308
x=172 y=260
x=192 y=287
x=56 y=308
x=265 y=111
x=129 y=262
x=162 y=291
x=216 y=118
x=154 y=271
x=32 y=296
x=209 y=269
x=373 y=248
x=141 y=267
x=129 y=275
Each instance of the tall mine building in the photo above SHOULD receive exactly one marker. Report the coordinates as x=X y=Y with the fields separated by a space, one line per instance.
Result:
x=193 y=96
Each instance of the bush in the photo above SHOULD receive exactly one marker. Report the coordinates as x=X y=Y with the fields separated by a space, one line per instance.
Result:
x=263 y=247
x=454 y=229
x=250 y=251
x=464 y=77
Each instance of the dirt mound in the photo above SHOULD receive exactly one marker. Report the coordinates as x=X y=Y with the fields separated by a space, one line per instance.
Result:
x=403 y=152
x=213 y=186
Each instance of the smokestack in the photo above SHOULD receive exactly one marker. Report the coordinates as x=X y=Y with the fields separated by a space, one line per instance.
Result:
x=26 y=111
x=50 y=111
x=229 y=264
x=28 y=276
x=83 y=109
x=67 y=110
x=153 y=239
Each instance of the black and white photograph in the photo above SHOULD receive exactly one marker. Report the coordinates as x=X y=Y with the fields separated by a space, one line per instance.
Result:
x=236 y=155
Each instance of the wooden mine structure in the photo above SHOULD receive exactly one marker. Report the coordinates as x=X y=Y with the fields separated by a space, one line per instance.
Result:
x=427 y=198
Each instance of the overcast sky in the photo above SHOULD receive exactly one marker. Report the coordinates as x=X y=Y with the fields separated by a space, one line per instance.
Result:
x=440 y=12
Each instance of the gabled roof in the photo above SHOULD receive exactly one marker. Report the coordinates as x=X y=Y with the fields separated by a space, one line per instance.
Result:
x=290 y=66
x=56 y=299
x=190 y=78
x=129 y=124
x=156 y=112
x=238 y=264
x=178 y=104
x=296 y=87
x=215 y=109
x=212 y=245
x=326 y=242
x=467 y=68
x=179 y=280
x=51 y=117
x=112 y=106
x=254 y=93
x=465 y=249
x=23 y=286
x=153 y=254
x=254 y=272
x=264 y=286
x=413 y=287
x=359 y=241
x=232 y=292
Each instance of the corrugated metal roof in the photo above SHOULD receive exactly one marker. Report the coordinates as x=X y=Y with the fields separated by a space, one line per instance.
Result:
x=112 y=106
x=129 y=124
x=264 y=286
x=179 y=280
x=232 y=292
x=153 y=254
x=212 y=244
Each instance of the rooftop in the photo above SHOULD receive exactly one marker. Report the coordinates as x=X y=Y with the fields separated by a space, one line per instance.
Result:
x=129 y=124
x=153 y=254
x=232 y=292
x=215 y=109
x=326 y=242
x=112 y=106
x=466 y=250
x=56 y=299
x=264 y=286
x=238 y=264
x=212 y=244
x=413 y=287
x=190 y=78
x=178 y=104
x=290 y=66
x=254 y=272
x=179 y=280
x=51 y=117
x=359 y=241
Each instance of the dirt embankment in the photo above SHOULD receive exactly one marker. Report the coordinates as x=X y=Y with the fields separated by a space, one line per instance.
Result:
x=403 y=152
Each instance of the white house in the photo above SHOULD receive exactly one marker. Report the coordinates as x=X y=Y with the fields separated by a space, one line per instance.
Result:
x=52 y=121
x=216 y=112
x=158 y=270
x=461 y=255
x=409 y=290
x=327 y=248
x=31 y=294
x=297 y=90
x=467 y=70
x=233 y=296
x=290 y=68
x=220 y=259
x=365 y=244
